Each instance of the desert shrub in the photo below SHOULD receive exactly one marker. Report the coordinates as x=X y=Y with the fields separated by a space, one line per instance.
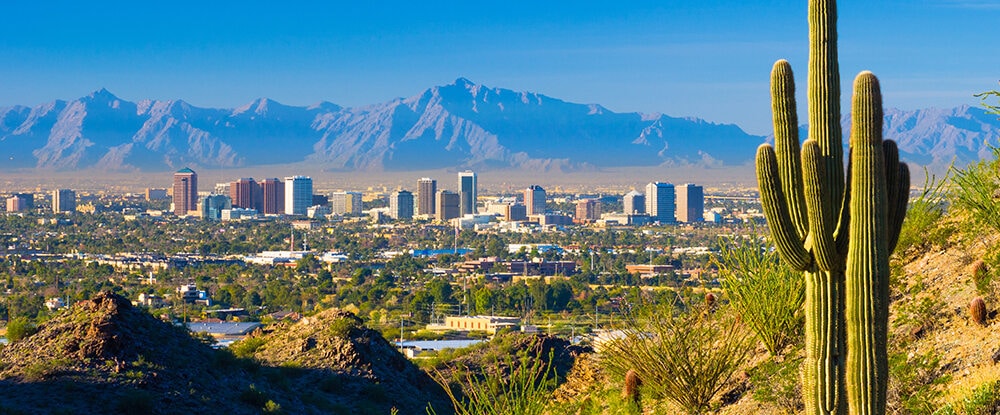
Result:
x=19 y=328
x=271 y=407
x=776 y=381
x=253 y=397
x=135 y=402
x=975 y=188
x=767 y=294
x=922 y=224
x=247 y=347
x=982 y=400
x=343 y=326
x=914 y=382
x=685 y=356
x=981 y=277
x=525 y=389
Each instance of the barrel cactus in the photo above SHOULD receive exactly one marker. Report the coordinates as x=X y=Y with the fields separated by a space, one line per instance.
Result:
x=977 y=311
x=839 y=232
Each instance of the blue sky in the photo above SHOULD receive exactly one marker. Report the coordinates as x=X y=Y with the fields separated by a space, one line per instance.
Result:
x=708 y=58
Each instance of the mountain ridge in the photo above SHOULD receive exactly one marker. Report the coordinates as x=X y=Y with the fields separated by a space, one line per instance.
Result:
x=458 y=125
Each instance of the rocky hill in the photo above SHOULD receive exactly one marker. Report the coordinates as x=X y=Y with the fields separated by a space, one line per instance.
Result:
x=106 y=356
x=332 y=353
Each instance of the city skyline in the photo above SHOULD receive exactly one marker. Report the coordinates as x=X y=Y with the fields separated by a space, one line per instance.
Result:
x=927 y=53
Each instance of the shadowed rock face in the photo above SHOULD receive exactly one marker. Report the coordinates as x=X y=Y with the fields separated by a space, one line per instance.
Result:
x=461 y=125
x=104 y=347
x=336 y=345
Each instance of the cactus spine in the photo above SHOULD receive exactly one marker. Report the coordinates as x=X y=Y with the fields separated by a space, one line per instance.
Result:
x=839 y=233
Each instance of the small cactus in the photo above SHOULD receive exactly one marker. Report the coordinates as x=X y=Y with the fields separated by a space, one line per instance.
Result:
x=710 y=300
x=631 y=389
x=981 y=276
x=977 y=311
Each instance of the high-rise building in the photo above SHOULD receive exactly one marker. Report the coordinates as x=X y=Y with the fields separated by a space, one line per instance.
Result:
x=345 y=203
x=467 y=192
x=272 y=196
x=426 y=190
x=588 y=210
x=298 y=195
x=635 y=203
x=690 y=203
x=63 y=200
x=246 y=193
x=20 y=202
x=155 y=194
x=210 y=207
x=534 y=199
x=185 y=191
x=449 y=205
x=660 y=202
x=401 y=205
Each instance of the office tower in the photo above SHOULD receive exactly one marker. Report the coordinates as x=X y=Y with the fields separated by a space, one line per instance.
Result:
x=635 y=203
x=185 y=191
x=467 y=192
x=272 y=196
x=690 y=203
x=63 y=200
x=449 y=205
x=246 y=193
x=320 y=200
x=221 y=188
x=401 y=205
x=426 y=190
x=345 y=203
x=211 y=206
x=155 y=194
x=20 y=202
x=660 y=202
x=534 y=199
x=588 y=210
x=298 y=194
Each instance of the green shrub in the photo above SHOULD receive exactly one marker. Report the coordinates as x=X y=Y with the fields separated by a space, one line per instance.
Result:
x=342 y=327
x=984 y=400
x=247 y=347
x=254 y=397
x=776 y=381
x=914 y=382
x=138 y=402
x=767 y=294
x=525 y=390
x=686 y=357
x=975 y=188
x=923 y=225
x=19 y=328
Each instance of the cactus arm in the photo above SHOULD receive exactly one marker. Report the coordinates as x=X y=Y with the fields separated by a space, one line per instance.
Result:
x=897 y=212
x=842 y=234
x=786 y=238
x=823 y=367
x=866 y=288
x=824 y=98
x=786 y=143
x=820 y=230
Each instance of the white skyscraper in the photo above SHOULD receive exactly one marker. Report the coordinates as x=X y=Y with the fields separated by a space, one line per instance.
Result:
x=298 y=195
x=660 y=203
x=467 y=192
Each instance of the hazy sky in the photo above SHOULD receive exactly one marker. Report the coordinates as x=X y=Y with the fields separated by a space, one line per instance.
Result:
x=704 y=58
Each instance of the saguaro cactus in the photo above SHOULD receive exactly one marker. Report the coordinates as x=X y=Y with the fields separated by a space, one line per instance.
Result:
x=838 y=232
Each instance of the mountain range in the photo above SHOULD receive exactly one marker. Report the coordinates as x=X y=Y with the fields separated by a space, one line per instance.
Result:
x=459 y=125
